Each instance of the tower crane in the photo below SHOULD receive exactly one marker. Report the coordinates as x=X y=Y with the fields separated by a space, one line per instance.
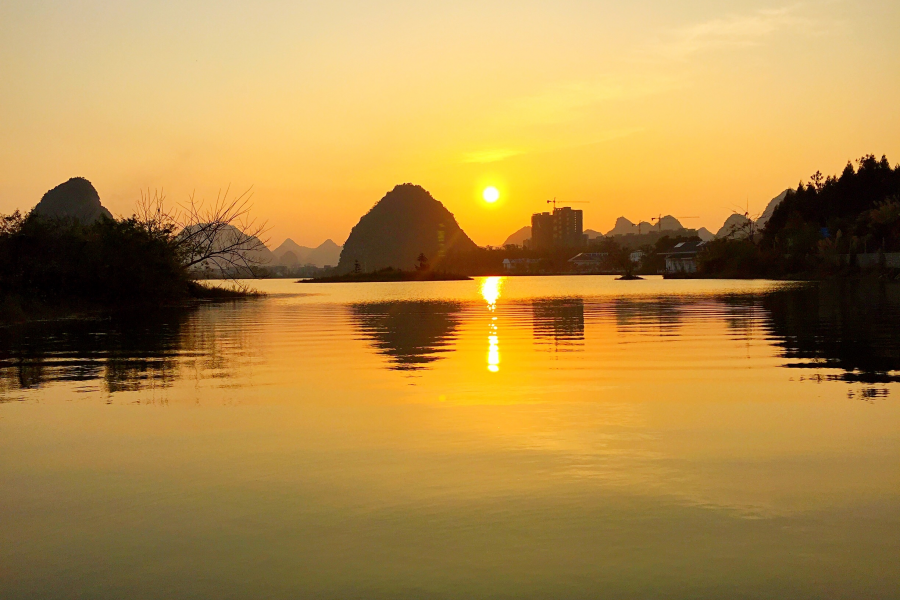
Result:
x=553 y=202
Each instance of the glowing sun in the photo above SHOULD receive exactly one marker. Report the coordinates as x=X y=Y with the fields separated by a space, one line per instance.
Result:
x=490 y=194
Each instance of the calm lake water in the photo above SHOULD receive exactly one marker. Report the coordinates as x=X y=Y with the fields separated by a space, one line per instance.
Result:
x=557 y=437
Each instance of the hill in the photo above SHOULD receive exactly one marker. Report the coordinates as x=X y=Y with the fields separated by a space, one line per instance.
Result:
x=705 y=234
x=770 y=209
x=327 y=254
x=76 y=199
x=669 y=223
x=298 y=252
x=407 y=222
x=822 y=229
x=855 y=211
x=625 y=227
x=736 y=226
x=519 y=237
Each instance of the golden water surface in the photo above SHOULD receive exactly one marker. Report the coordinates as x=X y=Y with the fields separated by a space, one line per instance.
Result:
x=558 y=437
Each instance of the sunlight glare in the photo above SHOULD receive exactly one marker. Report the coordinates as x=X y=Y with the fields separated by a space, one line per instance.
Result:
x=490 y=194
x=490 y=291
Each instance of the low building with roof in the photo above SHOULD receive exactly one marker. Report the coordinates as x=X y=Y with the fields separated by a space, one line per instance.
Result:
x=520 y=264
x=590 y=261
x=683 y=257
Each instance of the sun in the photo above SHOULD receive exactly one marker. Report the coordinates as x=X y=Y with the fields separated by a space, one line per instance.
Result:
x=490 y=194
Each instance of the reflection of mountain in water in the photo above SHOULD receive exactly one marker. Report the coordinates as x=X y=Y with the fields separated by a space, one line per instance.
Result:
x=126 y=354
x=851 y=326
x=558 y=320
x=411 y=333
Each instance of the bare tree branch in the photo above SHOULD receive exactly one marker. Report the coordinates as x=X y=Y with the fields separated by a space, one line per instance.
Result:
x=221 y=236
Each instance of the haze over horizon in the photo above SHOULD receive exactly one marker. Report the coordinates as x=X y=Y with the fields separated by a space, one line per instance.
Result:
x=642 y=109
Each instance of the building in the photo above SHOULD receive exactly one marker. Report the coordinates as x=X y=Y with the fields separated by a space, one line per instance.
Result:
x=568 y=227
x=521 y=265
x=636 y=256
x=683 y=257
x=541 y=231
x=563 y=228
x=590 y=261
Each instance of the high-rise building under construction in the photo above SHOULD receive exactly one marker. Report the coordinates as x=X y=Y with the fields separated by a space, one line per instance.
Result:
x=563 y=228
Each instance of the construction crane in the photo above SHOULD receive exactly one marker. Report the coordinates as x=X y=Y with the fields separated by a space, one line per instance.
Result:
x=553 y=202
x=660 y=218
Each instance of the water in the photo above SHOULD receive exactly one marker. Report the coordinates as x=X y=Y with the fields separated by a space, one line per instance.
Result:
x=499 y=438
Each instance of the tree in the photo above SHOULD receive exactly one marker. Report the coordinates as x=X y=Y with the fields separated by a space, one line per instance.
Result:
x=817 y=180
x=422 y=262
x=221 y=235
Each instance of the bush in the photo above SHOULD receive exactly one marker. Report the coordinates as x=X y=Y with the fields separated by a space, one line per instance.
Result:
x=109 y=262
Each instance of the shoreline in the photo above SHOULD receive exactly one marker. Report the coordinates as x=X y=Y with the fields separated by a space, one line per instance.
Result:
x=16 y=310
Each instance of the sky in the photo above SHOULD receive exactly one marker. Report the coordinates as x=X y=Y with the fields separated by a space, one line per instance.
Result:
x=640 y=108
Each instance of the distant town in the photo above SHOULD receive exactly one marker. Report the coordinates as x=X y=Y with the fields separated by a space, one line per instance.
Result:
x=835 y=226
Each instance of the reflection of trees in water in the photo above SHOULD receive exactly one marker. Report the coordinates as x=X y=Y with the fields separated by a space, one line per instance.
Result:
x=410 y=333
x=132 y=352
x=125 y=352
x=559 y=321
x=854 y=326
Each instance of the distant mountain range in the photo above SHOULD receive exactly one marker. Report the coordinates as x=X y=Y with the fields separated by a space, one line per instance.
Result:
x=407 y=222
x=735 y=225
x=625 y=227
x=291 y=254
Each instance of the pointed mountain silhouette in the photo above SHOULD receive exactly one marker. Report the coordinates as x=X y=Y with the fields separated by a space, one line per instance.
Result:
x=326 y=254
x=736 y=226
x=669 y=223
x=407 y=222
x=75 y=199
x=300 y=252
x=705 y=234
x=770 y=208
x=519 y=237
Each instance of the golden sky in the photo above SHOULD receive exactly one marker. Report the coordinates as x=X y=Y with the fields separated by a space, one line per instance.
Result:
x=688 y=108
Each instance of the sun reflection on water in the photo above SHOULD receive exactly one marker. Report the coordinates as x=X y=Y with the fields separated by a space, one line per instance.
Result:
x=490 y=291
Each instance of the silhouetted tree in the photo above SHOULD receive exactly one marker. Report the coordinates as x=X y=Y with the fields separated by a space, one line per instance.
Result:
x=221 y=235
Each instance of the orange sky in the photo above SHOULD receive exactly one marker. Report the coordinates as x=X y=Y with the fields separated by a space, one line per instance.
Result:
x=640 y=108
